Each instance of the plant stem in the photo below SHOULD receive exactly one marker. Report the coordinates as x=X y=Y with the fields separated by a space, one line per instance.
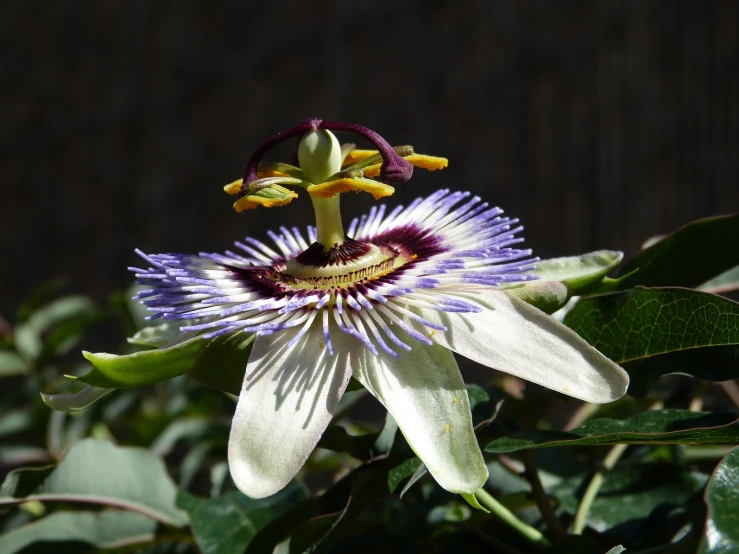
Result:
x=732 y=390
x=524 y=529
x=582 y=414
x=597 y=481
x=594 y=486
x=540 y=496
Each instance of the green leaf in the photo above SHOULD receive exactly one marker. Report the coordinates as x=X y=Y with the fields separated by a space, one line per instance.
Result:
x=365 y=485
x=12 y=364
x=190 y=429
x=228 y=523
x=337 y=439
x=141 y=368
x=222 y=363
x=306 y=537
x=688 y=257
x=722 y=498
x=69 y=532
x=99 y=472
x=650 y=427
x=653 y=332
x=334 y=513
x=79 y=310
x=420 y=472
x=631 y=493
x=39 y=296
x=401 y=472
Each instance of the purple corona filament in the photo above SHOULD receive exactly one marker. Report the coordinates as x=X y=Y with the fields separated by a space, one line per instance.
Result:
x=366 y=288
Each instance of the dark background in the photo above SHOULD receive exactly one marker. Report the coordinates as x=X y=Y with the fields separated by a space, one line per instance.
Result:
x=597 y=123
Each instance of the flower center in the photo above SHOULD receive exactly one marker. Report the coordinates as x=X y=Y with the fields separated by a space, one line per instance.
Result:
x=347 y=264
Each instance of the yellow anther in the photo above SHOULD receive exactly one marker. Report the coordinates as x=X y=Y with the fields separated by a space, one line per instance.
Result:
x=233 y=188
x=448 y=428
x=455 y=400
x=330 y=188
x=249 y=202
x=358 y=156
x=432 y=163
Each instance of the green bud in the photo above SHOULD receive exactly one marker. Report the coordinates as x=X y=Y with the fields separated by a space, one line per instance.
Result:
x=319 y=154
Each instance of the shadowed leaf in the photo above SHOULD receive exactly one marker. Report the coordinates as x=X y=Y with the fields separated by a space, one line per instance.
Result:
x=688 y=257
x=722 y=498
x=652 y=332
x=228 y=523
x=69 y=532
x=650 y=427
x=99 y=472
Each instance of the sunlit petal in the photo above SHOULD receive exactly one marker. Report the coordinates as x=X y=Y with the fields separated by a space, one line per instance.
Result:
x=425 y=393
x=287 y=400
x=511 y=336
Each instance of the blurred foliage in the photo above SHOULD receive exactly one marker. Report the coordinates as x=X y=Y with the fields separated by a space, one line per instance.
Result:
x=143 y=469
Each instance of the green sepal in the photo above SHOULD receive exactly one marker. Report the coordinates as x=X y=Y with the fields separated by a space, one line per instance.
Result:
x=472 y=501
x=548 y=296
x=222 y=362
x=156 y=336
x=141 y=368
x=578 y=271
x=561 y=278
x=76 y=401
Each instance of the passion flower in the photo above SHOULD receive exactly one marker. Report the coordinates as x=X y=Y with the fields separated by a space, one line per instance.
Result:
x=387 y=302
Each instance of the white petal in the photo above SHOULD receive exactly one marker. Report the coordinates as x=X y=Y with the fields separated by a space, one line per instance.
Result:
x=425 y=393
x=286 y=402
x=511 y=336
